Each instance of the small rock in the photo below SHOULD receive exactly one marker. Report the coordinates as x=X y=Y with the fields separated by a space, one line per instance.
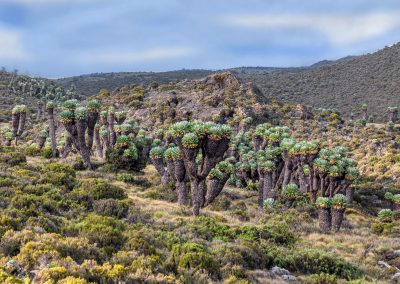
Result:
x=396 y=277
x=12 y=267
x=289 y=278
x=276 y=270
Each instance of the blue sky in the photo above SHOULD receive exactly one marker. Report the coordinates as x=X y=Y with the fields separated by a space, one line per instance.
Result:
x=56 y=38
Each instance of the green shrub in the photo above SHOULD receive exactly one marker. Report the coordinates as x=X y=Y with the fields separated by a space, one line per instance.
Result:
x=128 y=178
x=13 y=158
x=314 y=261
x=112 y=207
x=58 y=174
x=106 y=232
x=192 y=256
x=47 y=152
x=32 y=150
x=277 y=232
x=322 y=278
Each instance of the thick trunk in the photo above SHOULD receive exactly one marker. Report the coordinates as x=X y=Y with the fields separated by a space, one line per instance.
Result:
x=91 y=122
x=41 y=142
x=324 y=219
x=111 y=131
x=337 y=218
x=99 y=146
x=261 y=190
x=81 y=127
x=52 y=132
x=15 y=123
x=179 y=170
x=197 y=194
x=268 y=191
x=288 y=203
x=68 y=146
x=21 y=124
x=214 y=188
x=350 y=195
x=171 y=168
x=159 y=165
x=181 y=192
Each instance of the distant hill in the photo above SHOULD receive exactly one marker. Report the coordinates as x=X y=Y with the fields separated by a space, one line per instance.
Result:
x=345 y=84
x=33 y=92
x=91 y=84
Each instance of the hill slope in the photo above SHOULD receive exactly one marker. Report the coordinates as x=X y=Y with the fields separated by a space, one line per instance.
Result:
x=92 y=83
x=345 y=84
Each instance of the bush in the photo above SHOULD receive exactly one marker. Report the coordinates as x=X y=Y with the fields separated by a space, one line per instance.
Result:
x=105 y=231
x=32 y=150
x=278 y=232
x=322 y=278
x=314 y=261
x=58 y=174
x=192 y=256
x=128 y=178
x=112 y=207
x=13 y=158
x=47 y=152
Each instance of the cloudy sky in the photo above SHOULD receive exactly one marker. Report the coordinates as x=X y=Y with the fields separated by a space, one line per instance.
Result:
x=56 y=38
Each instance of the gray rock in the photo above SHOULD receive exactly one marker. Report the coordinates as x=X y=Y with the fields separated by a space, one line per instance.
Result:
x=289 y=278
x=13 y=267
x=396 y=277
x=276 y=270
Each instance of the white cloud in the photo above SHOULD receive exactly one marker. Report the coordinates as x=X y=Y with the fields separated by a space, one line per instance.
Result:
x=339 y=29
x=139 y=56
x=11 y=47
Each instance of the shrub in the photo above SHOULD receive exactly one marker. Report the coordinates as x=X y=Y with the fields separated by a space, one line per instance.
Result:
x=322 y=278
x=277 y=232
x=47 y=152
x=193 y=256
x=112 y=207
x=12 y=158
x=105 y=231
x=32 y=150
x=128 y=178
x=58 y=174
x=314 y=261
x=291 y=190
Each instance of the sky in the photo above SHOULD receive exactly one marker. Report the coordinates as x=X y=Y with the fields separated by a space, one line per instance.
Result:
x=60 y=38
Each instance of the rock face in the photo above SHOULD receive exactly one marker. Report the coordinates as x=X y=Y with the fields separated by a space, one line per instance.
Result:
x=220 y=94
x=344 y=85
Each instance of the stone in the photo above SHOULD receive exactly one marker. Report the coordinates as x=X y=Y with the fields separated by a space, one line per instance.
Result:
x=289 y=278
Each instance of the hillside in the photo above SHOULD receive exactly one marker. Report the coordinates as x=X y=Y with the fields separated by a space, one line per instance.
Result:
x=31 y=91
x=130 y=217
x=92 y=83
x=344 y=85
x=221 y=93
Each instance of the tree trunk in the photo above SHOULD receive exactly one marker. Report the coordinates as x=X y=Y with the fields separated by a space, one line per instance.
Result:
x=288 y=203
x=197 y=193
x=181 y=192
x=91 y=122
x=81 y=127
x=324 y=219
x=268 y=191
x=52 y=132
x=99 y=146
x=350 y=195
x=337 y=218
